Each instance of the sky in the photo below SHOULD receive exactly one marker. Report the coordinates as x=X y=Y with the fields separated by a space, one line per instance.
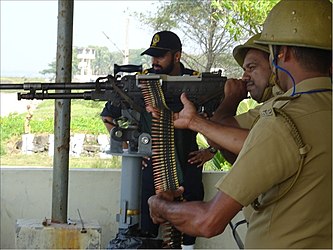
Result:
x=29 y=30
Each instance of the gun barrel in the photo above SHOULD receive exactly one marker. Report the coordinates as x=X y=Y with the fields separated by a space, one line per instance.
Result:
x=41 y=96
x=11 y=86
x=55 y=86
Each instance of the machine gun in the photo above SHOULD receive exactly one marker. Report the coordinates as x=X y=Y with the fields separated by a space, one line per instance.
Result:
x=205 y=90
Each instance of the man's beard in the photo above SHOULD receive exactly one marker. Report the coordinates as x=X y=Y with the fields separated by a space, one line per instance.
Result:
x=166 y=70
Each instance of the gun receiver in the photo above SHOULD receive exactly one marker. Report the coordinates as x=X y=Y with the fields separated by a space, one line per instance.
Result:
x=205 y=91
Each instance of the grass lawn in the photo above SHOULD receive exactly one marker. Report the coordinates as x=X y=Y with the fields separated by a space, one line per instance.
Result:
x=43 y=160
x=85 y=119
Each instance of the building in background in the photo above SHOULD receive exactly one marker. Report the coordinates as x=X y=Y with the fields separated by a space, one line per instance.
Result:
x=85 y=55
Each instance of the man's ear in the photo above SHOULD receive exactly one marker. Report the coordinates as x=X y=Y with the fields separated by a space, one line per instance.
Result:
x=177 y=56
x=285 y=53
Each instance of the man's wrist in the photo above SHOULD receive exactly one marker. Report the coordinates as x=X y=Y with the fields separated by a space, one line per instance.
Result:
x=198 y=123
x=107 y=121
x=212 y=150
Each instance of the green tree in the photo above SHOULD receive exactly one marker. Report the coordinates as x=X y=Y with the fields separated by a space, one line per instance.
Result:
x=51 y=70
x=103 y=61
x=137 y=59
x=244 y=16
x=195 y=20
x=210 y=27
x=75 y=61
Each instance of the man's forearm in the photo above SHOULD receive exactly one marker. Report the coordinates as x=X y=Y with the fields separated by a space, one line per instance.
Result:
x=177 y=213
x=107 y=120
x=220 y=136
x=196 y=218
x=226 y=109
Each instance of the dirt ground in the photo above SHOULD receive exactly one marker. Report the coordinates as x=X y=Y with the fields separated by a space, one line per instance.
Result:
x=10 y=104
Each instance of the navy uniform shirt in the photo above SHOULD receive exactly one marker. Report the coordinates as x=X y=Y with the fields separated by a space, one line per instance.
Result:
x=185 y=139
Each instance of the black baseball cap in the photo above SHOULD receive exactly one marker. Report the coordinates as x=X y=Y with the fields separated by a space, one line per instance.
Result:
x=162 y=42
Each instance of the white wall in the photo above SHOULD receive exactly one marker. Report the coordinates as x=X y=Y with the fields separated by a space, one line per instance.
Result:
x=26 y=193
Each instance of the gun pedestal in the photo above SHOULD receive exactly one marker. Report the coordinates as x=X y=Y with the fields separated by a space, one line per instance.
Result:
x=129 y=235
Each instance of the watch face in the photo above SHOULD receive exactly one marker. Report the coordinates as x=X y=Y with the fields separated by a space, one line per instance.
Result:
x=212 y=150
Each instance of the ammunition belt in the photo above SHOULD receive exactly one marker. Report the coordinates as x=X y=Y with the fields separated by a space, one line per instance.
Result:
x=163 y=152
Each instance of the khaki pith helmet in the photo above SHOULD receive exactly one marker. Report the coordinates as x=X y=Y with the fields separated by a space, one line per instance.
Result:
x=302 y=23
x=240 y=51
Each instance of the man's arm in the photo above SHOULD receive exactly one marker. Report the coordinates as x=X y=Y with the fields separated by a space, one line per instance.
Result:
x=106 y=116
x=226 y=137
x=196 y=218
x=235 y=91
x=220 y=136
x=107 y=120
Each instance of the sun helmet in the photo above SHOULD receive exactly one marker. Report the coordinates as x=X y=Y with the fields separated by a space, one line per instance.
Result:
x=240 y=51
x=302 y=23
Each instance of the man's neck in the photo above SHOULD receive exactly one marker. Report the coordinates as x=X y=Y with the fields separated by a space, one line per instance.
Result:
x=299 y=74
x=176 y=71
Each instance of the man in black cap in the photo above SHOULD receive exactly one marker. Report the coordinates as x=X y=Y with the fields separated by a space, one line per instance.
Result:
x=165 y=50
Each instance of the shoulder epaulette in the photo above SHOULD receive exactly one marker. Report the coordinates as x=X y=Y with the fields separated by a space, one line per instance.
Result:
x=267 y=109
x=146 y=71
x=190 y=72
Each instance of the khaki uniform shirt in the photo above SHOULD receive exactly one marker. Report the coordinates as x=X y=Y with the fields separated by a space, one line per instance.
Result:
x=247 y=119
x=267 y=164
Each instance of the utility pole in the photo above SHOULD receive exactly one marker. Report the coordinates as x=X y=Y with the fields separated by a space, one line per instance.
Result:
x=62 y=113
x=126 y=50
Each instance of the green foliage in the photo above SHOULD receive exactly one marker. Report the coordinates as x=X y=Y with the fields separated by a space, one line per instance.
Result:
x=136 y=59
x=46 y=161
x=229 y=64
x=243 y=15
x=20 y=80
x=102 y=63
x=51 y=70
x=194 y=21
x=75 y=61
x=10 y=126
x=84 y=119
x=88 y=162
x=209 y=28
